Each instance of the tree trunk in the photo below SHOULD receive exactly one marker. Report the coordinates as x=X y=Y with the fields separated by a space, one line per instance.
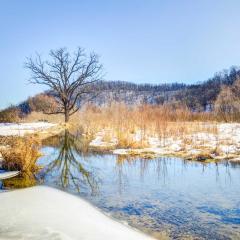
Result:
x=66 y=114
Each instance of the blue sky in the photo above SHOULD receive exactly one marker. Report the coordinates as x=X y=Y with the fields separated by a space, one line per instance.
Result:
x=141 y=41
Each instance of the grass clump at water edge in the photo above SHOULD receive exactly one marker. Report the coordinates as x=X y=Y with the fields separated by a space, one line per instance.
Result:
x=21 y=154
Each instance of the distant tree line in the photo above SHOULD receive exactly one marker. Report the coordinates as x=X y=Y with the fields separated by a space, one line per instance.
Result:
x=197 y=97
x=202 y=96
x=128 y=86
x=219 y=94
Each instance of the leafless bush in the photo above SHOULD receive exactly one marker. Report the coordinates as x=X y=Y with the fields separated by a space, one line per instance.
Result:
x=42 y=103
x=21 y=154
x=11 y=114
x=227 y=105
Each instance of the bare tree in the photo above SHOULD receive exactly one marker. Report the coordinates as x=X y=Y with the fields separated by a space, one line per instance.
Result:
x=68 y=77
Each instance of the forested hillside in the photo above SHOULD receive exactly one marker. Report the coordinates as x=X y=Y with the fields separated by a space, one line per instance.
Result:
x=197 y=97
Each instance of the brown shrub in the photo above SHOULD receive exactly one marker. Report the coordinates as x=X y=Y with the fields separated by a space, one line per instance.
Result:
x=11 y=114
x=42 y=103
x=21 y=154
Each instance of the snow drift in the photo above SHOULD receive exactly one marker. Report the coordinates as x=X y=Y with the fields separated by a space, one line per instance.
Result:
x=45 y=213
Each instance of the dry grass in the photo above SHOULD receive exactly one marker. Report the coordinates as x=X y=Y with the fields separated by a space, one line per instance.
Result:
x=39 y=116
x=21 y=154
x=172 y=131
x=124 y=122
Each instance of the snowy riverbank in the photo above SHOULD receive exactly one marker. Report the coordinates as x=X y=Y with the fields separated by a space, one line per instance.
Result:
x=209 y=141
x=20 y=129
x=45 y=213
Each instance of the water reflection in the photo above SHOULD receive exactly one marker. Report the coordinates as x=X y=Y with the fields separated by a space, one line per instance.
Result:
x=161 y=167
x=190 y=199
x=24 y=180
x=65 y=168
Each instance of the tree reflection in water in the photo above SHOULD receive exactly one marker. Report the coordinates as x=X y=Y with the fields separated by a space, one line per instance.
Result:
x=68 y=169
x=161 y=167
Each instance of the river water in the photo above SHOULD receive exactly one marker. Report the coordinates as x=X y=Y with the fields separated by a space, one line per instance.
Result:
x=166 y=197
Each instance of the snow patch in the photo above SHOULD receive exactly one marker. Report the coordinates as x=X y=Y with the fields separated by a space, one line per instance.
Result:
x=227 y=149
x=44 y=213
x=20 y=129
x=98 y=141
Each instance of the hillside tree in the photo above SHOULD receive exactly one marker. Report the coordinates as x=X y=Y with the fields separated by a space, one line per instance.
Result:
x=227 y=104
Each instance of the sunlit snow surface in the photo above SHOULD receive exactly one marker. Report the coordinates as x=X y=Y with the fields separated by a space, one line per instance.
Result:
x=45 y=213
